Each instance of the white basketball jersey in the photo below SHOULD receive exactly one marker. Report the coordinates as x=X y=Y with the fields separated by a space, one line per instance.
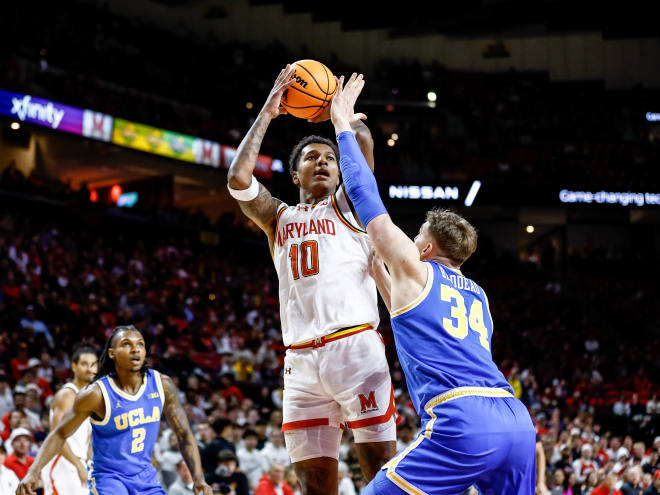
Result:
x=79 y=441
x=322 y=260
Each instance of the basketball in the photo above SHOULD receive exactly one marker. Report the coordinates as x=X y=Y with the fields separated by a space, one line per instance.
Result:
x=312 y=92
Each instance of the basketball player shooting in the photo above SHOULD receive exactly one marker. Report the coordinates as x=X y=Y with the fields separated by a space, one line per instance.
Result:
x=473 y=430
x=328 y=304
x=67 y=472
x=124 y=403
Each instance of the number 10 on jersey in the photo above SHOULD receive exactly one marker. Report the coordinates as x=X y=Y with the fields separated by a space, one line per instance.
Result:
x=304 y=259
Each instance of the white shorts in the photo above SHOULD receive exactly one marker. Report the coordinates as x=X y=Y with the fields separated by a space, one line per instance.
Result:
x=347 y=381
x=61 y=478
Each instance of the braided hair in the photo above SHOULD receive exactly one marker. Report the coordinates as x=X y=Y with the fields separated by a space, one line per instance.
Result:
x=106 y=364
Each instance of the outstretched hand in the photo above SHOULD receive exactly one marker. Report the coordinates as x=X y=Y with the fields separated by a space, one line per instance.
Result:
x=325 y=115
x=273 y=107
x=342 y=110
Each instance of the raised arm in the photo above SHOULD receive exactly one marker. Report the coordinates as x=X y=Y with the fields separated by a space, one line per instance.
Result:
x=178 y=421
x=382 y=278
x=396 y=248
x=63 y=402
x=254 y=199
x=87 y=402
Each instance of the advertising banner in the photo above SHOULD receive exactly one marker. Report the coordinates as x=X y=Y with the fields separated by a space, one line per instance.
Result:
x=97 y=125
x=47 y=113
x=153 y=140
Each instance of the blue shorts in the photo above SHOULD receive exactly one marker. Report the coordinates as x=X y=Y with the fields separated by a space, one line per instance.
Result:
x=489 y=442
x=143 y=483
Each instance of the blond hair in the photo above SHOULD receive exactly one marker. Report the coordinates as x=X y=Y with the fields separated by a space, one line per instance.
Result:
x=453 y=233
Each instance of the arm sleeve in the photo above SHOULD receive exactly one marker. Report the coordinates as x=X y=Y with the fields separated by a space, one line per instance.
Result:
x=359 y=180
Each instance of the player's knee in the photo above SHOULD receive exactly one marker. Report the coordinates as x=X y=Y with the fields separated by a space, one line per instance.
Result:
x=384 y=432
x=309 y=443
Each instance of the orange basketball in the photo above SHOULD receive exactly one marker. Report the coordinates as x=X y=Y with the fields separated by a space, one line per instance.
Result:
x=312 y=92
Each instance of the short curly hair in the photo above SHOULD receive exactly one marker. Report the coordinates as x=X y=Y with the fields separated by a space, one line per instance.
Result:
x=453 y=233
x=297 y=150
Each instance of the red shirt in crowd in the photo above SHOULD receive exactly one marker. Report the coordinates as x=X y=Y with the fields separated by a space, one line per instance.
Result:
x=18 y=467
x=603 y=490
x=17 y=367
x=266 y=487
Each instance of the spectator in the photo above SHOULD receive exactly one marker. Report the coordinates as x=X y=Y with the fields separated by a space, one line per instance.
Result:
x=585 y=464
x=631 y=479
x=224 y=429
x=6 y=396
x=558 y=479
x=292 y=480
x=608 y=487
x=346 y=486
x=654 y=489
x=261 y=427
x=274 y=451
x=19 y=461
x=20 y=405
x=169 y=461
x=209 y=446
x=31 y=324
x=8 y=479
x=226 y=475
x=272 y=482
x=183 y=485
x=251 y=460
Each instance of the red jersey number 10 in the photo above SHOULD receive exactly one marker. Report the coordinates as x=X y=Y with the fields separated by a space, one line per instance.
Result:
x=305 y=254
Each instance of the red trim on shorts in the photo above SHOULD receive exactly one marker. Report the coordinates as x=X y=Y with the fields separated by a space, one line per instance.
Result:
x=305 y=423
x=376 y=420
x=50 y=474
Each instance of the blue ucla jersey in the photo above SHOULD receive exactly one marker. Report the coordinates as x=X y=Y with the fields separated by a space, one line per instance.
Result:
x=443 y=338
x=124 y=440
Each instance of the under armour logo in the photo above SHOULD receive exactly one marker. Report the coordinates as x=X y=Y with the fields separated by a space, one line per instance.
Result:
x=154 y=395
x=287 y=371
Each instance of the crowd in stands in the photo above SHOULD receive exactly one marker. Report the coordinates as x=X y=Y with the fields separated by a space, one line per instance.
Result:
x=509 y=126
x=211 y=319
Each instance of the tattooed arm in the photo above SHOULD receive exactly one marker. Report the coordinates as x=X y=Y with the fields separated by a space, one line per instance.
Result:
x=178 y=421
x=262 y=209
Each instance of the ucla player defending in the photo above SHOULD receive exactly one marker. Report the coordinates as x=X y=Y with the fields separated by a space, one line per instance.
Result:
x=67 y=472
x=125 y=404
x=328 y=306
x=473 y=430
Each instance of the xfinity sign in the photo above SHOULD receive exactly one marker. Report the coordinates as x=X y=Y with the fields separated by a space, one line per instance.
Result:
x=447 y=193
x=39 y=111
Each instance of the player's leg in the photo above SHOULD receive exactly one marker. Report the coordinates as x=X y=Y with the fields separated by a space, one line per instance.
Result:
x=375 y=445
x=314 y=452
x=311 y=424
x=61 y=477
x=356 y=372
x=516 y=475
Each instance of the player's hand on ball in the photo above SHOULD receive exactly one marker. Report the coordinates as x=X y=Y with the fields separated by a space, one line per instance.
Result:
x=27 y=487
x=202 y=489
x=272 y=107
x=342 y=108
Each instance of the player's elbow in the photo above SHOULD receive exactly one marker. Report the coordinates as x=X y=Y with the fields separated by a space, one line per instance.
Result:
x=237 y=179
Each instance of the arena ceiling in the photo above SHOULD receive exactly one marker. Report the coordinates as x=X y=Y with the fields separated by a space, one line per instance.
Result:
x=481 y=17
